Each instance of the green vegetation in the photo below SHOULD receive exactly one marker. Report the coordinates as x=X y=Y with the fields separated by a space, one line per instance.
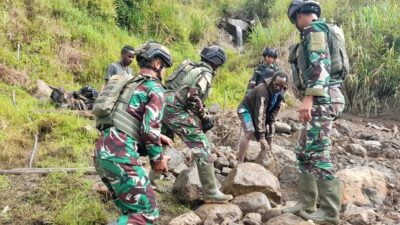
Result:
x=69 y=43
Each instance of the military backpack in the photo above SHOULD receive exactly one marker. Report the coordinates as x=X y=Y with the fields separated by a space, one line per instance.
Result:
x=340 y=65
x=111 y=105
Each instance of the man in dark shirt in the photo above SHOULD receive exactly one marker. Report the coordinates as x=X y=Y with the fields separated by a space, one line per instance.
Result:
x=257 y=114
x=122 y=66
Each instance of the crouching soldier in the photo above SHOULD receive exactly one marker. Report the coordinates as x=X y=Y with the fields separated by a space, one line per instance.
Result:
x=185 y=114
x=134 y=119
x=257 y=114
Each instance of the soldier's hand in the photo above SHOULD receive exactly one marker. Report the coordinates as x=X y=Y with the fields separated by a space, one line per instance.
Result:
x=166 y=140
x=160 y=166
x=305 y=109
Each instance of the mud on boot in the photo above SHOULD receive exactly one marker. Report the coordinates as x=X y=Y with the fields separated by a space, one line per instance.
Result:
x=211 y=193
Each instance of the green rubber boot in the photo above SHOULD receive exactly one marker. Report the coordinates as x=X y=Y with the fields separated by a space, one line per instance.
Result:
x=208 y=181
x=329 y=195
x=307 y=195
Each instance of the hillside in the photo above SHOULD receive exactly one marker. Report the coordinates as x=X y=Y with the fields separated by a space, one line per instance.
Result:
x=69 y=43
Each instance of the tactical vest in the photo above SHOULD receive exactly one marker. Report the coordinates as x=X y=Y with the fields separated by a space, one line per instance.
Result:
x=184 y=77
x=301 y=67
x=111 y=105
x=264 y=72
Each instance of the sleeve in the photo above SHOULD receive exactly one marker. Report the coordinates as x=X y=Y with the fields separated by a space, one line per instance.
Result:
x=199 y=88
x=319 y=58
x=110 y=71
x=274 y=113
x=260 y=115
x=151 y=124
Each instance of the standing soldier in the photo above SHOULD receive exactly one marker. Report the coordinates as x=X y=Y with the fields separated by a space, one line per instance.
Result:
x=265 y=69
x=319 y=64
x=122 y=66
x=257 y=114
x=185 y=115
x=136 y=119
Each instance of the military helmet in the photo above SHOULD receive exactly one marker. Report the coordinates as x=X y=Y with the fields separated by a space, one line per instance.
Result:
x=303 y=6
x=213 y=54
x=271 y=52
x=153 y=49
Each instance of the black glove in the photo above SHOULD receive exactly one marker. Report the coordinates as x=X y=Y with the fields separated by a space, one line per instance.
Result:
x=207 y=123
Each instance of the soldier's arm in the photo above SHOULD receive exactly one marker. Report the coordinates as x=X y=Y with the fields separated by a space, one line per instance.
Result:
x=198 y=89
x=151 y=124
x=320 y=60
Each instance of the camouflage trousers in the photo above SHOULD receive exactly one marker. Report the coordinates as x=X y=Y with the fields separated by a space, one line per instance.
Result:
x=313 y=150
x=188 y=128
x=128 y=182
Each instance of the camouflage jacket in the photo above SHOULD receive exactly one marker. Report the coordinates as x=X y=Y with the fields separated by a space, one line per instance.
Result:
x=261 y=72
x=315 y=75
x=195 y=89
x=147 y=105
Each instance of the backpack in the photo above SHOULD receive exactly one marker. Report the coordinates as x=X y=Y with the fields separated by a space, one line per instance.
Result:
x=110 y=106
x=174 y=82
x=340 y=65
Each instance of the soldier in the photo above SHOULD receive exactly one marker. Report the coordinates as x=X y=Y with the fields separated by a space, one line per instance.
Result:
x=116 y=154
x=266 y=69
x=185 y=115
x=257 y=114
x=318 y=70
x=122 y=66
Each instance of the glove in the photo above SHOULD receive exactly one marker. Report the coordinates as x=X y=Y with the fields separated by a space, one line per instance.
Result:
x=207 y=123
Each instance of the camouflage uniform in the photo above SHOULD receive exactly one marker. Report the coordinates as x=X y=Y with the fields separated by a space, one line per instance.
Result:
x=313 y=150
x=184 y=110
x=117 y=160
x=261 y=72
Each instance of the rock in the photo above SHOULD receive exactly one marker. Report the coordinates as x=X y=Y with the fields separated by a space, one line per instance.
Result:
x=359 y=215
x=226 y=170
x=233 y=163
x=219 y=212
x=295 y=125
x=357 y=149
x=221 y=162
x=335 y=133
x=251 y=177
x=269 y=214
x=177 y=162
x=281 y=127
x=374 y=148
x=43 y=90
x=214 y=108
x=252 y=219
x=362 y=186
x=288 y=219
x=394 y=216
x=187 y=187
x=189 y=218
x=286 y=167
x=253 y=151
x=343 y=127
x=252 y=202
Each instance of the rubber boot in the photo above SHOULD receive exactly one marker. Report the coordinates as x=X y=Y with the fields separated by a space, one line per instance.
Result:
x=208 y=181
x=329 y=195
x=307 y=195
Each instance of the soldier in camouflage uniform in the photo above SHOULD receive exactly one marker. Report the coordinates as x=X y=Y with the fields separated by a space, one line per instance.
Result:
x=322 y=102
x=185 y=114
x=116 y=155
x=265 y=69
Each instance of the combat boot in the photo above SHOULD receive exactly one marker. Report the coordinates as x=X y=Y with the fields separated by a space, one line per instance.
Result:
x=329 y=195
x=209 y=183
x=307 y=195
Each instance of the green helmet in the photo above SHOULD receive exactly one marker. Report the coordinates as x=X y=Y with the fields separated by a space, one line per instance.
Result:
x=303 y=6
x=151 y=50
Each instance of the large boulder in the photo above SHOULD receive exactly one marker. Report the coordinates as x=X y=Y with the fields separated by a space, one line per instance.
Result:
x=251 y=177
x=288 y=219
x=189 y=218
x=252 y=202
x=252 y=219
x=359 y=215
x=177 y=162
x=219 y=212
x=362 y=186
x=187 y=187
